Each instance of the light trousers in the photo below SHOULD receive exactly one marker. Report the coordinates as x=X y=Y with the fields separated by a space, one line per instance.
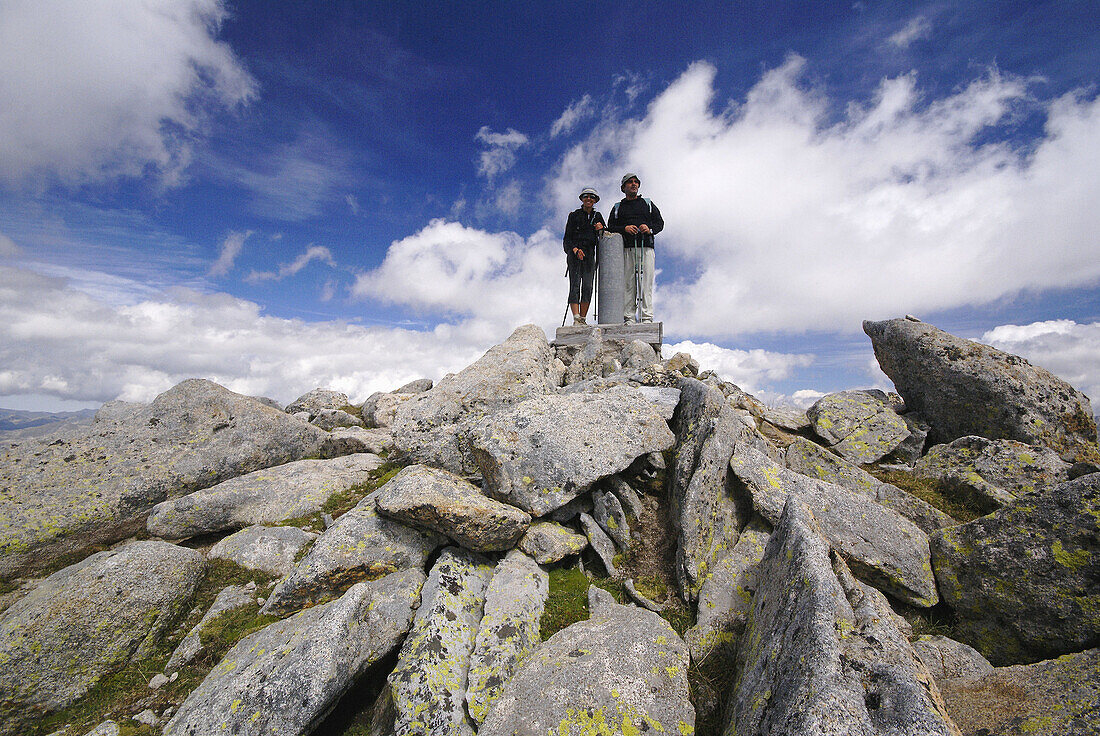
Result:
x=633 y=259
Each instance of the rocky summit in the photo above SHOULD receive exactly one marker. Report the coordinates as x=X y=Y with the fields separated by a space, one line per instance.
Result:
x=564 y=541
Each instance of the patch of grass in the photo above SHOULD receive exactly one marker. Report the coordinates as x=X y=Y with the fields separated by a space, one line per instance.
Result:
x=937 y=621
x=567 y=603
x=340 y=503
x=355 y=411
x=930 y=491
x=226 y=629
x=710 y=681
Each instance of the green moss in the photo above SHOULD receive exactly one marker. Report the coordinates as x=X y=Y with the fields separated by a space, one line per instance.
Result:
x=930 y=491
x=355 y=411
x=1073 y=560
x=226 y=629
x=340 y=503
x=567 y=603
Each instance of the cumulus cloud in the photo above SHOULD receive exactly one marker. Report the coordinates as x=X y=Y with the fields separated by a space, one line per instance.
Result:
x=751 y=370
x=1064 y=347
x=781 y=217
x=918 y=28
x=501 y=152
x=98 y=90
x=58 y=341
x=575 y=113
x=312 y=253
x=8 y=246
x=231 y=248
x=493 y=281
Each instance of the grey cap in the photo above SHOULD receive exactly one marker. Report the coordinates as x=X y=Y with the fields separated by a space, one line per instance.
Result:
x=590 y=190
x=627 y=177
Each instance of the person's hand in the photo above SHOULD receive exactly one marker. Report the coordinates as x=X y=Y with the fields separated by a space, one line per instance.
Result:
x=579 y=254
x=645 y=229
x=632 y=229
x=598 y=226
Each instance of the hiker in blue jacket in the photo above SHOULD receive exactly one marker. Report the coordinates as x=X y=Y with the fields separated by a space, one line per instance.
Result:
x=582 y=231
x=638 y=220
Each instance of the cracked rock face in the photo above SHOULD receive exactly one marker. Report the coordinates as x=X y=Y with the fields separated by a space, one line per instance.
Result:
x=822 y=654
x=857 y=425
x=98 y=485
x=884 y=548
x=624 y=670
x=284 y=678
x=1024 y=582
x=428 y=685
x=965 y=388
x=428 y=427
x=542 y=453
x=88 y=620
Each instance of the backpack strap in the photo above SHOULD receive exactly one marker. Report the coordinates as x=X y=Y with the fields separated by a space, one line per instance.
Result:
x=615 y=207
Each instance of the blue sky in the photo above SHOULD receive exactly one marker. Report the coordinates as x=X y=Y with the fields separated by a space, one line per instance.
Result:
x=279 y=195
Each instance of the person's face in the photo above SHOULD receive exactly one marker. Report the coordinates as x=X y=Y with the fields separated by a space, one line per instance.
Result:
x=631 y=187
x=587 y=201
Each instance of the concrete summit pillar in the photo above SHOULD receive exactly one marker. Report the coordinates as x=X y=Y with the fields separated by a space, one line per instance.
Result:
x=610 y=286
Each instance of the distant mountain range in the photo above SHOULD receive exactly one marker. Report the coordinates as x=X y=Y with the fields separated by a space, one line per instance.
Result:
x=20 y=424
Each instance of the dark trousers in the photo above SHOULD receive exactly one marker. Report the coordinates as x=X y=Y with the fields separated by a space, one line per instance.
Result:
x=580 y=280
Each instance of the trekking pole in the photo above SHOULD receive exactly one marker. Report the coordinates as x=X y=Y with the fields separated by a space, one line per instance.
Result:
x=639 y=254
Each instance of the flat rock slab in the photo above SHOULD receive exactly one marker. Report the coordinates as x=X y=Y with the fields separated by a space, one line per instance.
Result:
x=624 y=670
x=286 y=677
x=822 y=654
x=992 y=473
x=272 y=549
x=437 y=500
x=350 y=440
x=543 y=452
x=965 y=388
x=229 y=598
x=1024 y=582
x=428 y=685
x=601 y=544
x=86 y=621
x=97 y=485
x=427 y=426
x=1056 y=697
x=509 y=630
x=812 y=460
x=262 y=497
x=608 y=513
x=884 y=548
x=361 y=545
x=946 y=658
x=549 y=542
x=857 y=425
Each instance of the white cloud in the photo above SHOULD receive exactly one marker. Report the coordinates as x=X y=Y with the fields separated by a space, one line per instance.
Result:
x=508 y=198
x=501 y=153
x=751 y=370
x=312 y=253
x=780 y=218
x=98 y=90
x=353 y=203
x=64 y=343
x=919 y=28
x=297 y=179
x=575 y=113
x=494 y=281
x=231 y=248
x=1067 y=349
x=8 y=246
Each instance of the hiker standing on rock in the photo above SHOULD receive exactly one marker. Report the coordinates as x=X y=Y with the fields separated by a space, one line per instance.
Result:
x=638 y=220
x=582 y=231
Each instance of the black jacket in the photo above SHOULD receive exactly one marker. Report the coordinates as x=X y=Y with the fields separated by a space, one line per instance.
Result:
x=636 y=212
x=580 y=233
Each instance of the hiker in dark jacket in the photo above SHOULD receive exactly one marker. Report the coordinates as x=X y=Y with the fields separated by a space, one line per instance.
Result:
x=582 y=231
x=638 y=220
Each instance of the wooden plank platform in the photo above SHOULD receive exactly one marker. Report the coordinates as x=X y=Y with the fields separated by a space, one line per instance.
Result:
x=650 y=332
